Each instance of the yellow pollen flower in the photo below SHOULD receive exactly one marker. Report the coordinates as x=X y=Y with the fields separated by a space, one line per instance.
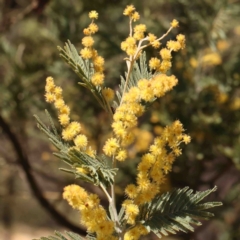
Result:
x=59 y=103
x=181 y=38
x=124 y=46
x=64 y=110
x=87 y=41
x=174 y=45
x=127 y=202
x=86 y=53
x=128 y=139
x=149 y=158
x=64 y=119
x=97 y=78
x=135 y=16
x=131 y=235
x=93 y=15
x=140 y=28
x=81 y=141
x=118 y=116
x=143 y=183
x=110 y=147
x=87 y=31
x=133 y=95
x=131 y=51
x=174 y=23
x=132 y=209
x=165 y=54
x=154 y=63
x=71 y=131
x=82 y=170
x=151 y=37
x=100 y=214
x=144 y=166
x=75 y=195
x=58 y=91
x=131 y=41
x=143 y=84
x=128 y=10
x=186 y=139
x=131 y=191
x=138 y=35
x=177 y=151
x=120 y=132
x=98 y=69
x=121 y=155
x=50 y=87
x=49 y=80
x=165 y=66
x=94 y=200
x=98 y=61
x=50 y=97
x=93 y=28
x=155 y=44
x=108 y=94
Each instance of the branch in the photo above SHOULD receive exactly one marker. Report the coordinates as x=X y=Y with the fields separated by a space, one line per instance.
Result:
x=24 y=163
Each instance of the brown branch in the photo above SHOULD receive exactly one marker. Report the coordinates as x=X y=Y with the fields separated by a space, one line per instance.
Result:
x=24 y=163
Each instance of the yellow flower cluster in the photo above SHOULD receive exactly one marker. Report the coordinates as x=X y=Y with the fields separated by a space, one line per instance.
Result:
x=133 y=43
x=130 y=44
x=131 y=212
x=135 y=233
x=156 y=164
x=165 y=64
x=71 y=130
x=131 y=12
x=93 y=215
x=88 y=52
x=211 y=59
x=125 y=117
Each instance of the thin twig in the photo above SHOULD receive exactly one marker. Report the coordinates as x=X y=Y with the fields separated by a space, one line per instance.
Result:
x=24 y=163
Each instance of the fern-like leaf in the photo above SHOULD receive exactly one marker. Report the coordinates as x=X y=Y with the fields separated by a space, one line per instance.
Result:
x=176 y=211
x=52 y=133
x=60 y=236
x=98 y=169
x=84 y=69
x=79 y=65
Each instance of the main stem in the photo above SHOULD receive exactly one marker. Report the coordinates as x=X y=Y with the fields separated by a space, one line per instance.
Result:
x=112 y=206
x=130 y=66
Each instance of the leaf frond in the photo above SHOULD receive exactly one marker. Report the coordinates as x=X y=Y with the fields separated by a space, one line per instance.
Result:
x=176 y=211
x=84 y=69
x=98 y=168
x=60 y=236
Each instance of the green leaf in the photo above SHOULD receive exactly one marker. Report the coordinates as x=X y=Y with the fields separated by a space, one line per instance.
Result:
x=52 y=133
x=176 y=211
x=98 y=168
x=84 y=69
x=60 y=236
x=70 y=55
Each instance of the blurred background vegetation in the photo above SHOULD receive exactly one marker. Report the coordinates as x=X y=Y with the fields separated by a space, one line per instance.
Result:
x=206 y=101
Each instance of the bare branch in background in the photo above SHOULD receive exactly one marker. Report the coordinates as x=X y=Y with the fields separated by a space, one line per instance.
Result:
x=24 y=163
